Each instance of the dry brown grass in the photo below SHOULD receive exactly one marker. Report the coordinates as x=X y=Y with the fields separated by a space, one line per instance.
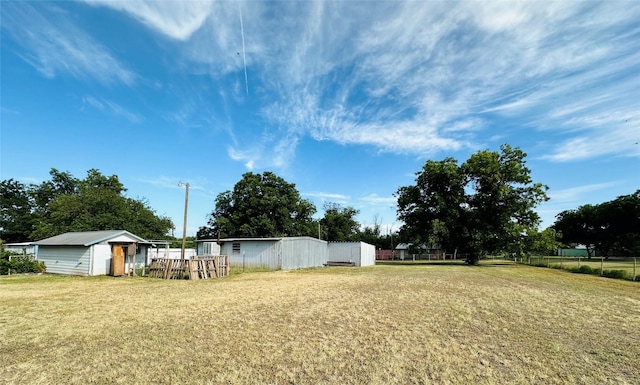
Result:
x=425 y=324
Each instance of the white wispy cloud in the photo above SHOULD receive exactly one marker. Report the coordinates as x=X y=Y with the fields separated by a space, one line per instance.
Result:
x=176 y=19
x=111 y=107
x=411 y=77
x=326 y=196
x=375 y=199
x=576 y=194
x=199 y=184
x=55 y=45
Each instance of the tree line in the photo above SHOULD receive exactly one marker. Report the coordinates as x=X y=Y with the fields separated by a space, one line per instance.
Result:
x=608 y=227
x=483 y=206
x=66 y=203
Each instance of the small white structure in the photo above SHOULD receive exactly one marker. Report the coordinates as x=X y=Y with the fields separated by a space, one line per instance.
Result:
x=359 y=253
x=207 y=247
x=112 y=252
x=21 y=247
x=171 y=253
x=285 y=253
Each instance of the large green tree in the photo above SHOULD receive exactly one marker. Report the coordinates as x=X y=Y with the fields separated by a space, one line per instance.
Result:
x=260 y=205
x=482 y=206
x=16 y=207
x=339 y=223
x=608 y=227
x=98 y=202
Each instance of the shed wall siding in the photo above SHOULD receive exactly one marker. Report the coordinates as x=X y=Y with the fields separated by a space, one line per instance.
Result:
x=299 y=253
x=362 y=254
x=70 y=260
x=265 y=254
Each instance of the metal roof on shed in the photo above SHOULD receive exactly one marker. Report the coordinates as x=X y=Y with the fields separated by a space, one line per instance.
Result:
x=86 y=238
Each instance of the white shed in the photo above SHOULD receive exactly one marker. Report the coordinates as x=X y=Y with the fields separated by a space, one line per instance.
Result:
x=360 y=253
x=284 y=253
x=111 y=252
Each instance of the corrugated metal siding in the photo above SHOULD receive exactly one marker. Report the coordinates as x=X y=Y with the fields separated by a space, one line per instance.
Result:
x=362 y=254
x=302 y=252
x=344 y=252
x=70 y=260
x=255 y=253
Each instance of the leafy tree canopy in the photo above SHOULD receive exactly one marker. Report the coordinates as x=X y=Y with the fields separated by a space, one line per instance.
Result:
x=339 y=224
x=482 y=206
x=260 y=205
x=66 y=203
x=612 y=226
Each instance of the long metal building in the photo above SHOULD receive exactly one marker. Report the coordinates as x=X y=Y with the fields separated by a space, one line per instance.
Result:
x=284 y=253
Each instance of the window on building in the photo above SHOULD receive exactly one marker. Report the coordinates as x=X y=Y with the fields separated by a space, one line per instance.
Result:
x=236 y=248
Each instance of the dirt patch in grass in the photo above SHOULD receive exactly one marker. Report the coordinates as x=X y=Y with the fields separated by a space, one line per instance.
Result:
x=425 y=324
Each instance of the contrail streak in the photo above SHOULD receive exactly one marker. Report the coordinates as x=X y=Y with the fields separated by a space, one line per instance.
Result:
x=244 y=54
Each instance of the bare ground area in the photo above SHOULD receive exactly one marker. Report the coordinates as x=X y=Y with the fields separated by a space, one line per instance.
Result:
x=407 y=324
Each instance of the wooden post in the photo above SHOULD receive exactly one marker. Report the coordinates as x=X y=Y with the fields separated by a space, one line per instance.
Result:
x=184 y=229
x=634 y=268
x=215 y=267
x=578 y=261
x=167 y=271
x=228 y=263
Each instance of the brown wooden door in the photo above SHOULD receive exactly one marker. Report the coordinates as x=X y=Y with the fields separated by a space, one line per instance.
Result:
x=117 y=261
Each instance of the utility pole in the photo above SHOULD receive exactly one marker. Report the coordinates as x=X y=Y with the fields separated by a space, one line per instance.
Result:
x=184 y=229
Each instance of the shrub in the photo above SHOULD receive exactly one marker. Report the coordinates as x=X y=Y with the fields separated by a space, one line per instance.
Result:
x=584 y=269
x=619 y=274
x=19 y=264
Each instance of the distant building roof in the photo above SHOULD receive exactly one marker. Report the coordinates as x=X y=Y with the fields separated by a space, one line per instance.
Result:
x=86 y=238
x=406 y=246
x=18 y=244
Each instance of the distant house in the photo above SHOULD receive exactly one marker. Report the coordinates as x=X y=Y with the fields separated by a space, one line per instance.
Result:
x=281 y=253
x=402 y=250
x=113 y=252
x=359 y=253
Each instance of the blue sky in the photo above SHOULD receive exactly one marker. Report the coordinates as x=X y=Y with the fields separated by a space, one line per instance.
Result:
x=345 y=99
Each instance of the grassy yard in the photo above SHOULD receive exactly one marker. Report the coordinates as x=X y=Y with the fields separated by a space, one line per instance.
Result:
x=393 y=324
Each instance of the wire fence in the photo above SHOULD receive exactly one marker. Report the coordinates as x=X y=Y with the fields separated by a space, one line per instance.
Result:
x=612 y=267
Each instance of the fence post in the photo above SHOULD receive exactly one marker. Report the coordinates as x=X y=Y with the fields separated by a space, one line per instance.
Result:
x=634 y=268
x=578 y=262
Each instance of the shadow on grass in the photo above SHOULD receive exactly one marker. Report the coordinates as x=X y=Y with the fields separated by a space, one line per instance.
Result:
x=420 y=263
x=458 y=262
